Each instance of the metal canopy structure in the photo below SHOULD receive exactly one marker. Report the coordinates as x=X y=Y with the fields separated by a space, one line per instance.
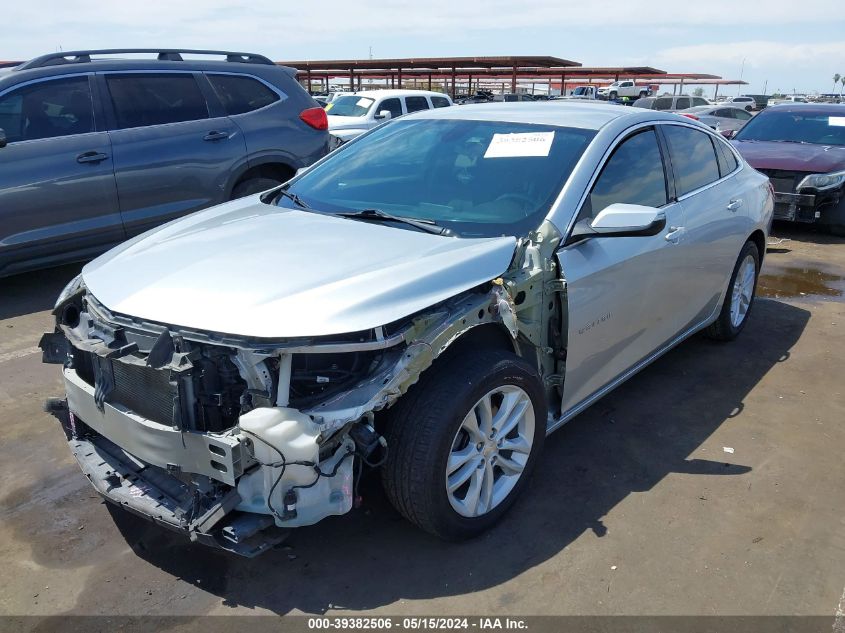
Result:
x=511 y=66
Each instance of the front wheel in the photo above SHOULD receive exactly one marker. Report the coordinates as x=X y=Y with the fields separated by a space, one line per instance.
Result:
x=740 y=296
x=463 y=442
x=612 y=96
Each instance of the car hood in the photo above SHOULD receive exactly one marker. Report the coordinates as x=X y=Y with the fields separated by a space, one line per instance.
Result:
x=256 y=270
x=817 y=159
x=348 y=122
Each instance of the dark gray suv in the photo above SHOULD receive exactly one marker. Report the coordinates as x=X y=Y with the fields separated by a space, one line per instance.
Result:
x=96 y=147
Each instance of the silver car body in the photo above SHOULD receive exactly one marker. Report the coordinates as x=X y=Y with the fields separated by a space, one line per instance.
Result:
x=270 y=283
x=720 y=118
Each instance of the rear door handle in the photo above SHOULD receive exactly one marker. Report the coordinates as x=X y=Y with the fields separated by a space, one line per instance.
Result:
x=215 y=136
x=91 y=157
x=734 y=204
x=674 y=234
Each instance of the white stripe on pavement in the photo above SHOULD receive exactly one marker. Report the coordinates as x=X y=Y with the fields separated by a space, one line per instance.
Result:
x=19 y=354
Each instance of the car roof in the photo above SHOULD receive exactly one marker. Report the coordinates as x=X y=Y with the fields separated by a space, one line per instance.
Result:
x=837 y=109
x=590 y=116
x=375 y=94
x=148 y=65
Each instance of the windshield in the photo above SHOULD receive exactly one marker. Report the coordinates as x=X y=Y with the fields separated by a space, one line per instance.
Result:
x=350 y=105
x=476 y=178
x=812 y=126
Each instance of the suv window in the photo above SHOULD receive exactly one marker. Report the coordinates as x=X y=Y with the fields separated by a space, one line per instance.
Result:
x=682 y=103
x=415 y=104
x=726 y=158
x=240 y=94
x=393 y=105
x=663 y=103
x=155 y=99
x=632 y=175
x=47 y=109
x=693 y=158
x=440 y=102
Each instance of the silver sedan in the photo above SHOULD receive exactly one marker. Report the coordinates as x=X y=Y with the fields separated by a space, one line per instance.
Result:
x=720 y=118
x=431 y=300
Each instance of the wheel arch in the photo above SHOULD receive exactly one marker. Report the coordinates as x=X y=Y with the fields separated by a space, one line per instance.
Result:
x=268 y=167
x=759 y=239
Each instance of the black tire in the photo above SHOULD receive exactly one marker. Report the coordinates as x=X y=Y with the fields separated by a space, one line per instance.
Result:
x=722 y=329
x=251 y=186
x=421 y=428
x=834 y=229
x=612 y=96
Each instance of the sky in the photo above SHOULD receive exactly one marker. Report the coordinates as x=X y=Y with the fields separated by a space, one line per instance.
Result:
x=782 y=45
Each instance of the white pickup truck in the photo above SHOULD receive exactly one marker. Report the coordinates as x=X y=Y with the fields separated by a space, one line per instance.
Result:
x=583 y=92
x=624 y=88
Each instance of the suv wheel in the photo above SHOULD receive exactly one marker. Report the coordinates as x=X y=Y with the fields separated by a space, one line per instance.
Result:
x=463 y=442
x=740 y=296
x=253 y=185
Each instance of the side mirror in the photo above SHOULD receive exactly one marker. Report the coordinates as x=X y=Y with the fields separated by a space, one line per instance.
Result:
x=620 y=220
x=384 y=114
x=2 y=138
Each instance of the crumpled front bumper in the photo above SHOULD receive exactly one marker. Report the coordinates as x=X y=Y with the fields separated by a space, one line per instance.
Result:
x=156 y=495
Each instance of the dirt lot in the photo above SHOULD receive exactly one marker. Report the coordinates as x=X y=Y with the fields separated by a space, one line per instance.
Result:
x=637 y=507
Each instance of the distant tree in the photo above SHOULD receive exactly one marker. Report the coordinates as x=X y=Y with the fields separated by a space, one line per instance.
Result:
x=842 y=81
x=698 y=92
x=836 y=79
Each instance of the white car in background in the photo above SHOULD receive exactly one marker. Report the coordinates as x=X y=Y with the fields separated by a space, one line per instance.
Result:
x=352 y=114
x=747 y=103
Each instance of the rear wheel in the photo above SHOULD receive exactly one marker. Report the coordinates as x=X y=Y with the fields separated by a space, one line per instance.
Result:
x=463 y=442
x=740 y=296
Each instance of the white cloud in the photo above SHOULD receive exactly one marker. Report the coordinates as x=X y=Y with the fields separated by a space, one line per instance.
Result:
x=756 y=54
x=281 y=28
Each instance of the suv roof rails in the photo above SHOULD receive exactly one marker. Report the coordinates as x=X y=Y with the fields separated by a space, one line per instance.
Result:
x=163 y=54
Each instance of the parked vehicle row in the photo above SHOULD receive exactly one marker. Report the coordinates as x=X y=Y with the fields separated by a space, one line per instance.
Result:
x=95 y=150
x=475 y=278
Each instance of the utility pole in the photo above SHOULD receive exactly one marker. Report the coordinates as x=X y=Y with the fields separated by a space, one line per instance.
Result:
x=741 y=71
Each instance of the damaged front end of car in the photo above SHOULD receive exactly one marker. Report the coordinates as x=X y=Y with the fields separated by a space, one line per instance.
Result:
x=233 y=441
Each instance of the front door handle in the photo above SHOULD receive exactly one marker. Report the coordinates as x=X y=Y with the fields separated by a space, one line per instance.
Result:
x=674 y=234
x=91 y=157
x=734 y=204
x=215 y=136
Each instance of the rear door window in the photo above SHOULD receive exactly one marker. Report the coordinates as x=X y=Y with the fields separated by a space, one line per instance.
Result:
x=142 y=100
x=634 y=174
x=241 y=94
x=693 y=158
x=663 y=103
x=47 y=109
x=682 y=103
x=440 y=102
x=415 y=104
x=393 y=105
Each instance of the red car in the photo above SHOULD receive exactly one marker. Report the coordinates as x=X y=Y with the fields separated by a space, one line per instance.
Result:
x=801 y=148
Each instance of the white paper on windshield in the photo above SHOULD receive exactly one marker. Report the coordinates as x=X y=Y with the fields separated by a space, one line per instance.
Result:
x=363 y=101
x=519 y=145
x=838 y=121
